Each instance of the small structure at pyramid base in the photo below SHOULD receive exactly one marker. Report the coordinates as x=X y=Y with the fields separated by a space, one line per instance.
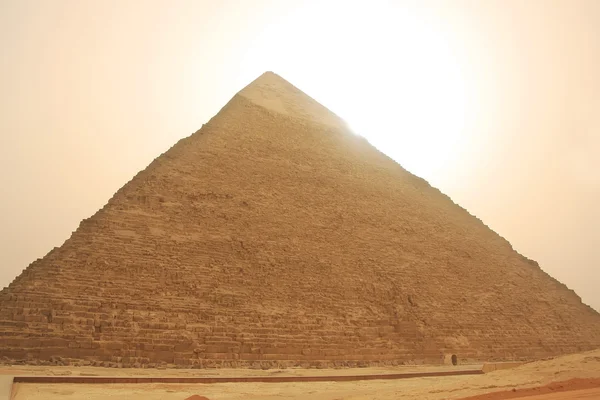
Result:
x=275 y=237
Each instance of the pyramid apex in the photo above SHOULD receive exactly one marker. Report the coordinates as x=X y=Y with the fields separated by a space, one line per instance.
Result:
x=267 y=77
x=270 y=74
x=267 y=73
x=276 y=94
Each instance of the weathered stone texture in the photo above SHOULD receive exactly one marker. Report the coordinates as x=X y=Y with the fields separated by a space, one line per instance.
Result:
x=274 y=237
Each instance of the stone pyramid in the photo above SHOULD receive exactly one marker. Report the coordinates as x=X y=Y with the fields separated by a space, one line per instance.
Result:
x=272 y=237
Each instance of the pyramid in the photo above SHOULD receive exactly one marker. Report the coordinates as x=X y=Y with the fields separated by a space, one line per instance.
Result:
x=275 y=237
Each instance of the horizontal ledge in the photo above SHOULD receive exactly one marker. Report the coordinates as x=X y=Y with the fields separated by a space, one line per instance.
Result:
x=264 y=379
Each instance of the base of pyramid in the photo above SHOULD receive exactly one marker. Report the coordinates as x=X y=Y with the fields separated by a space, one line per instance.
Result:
x=256 y=364
x=227 y=364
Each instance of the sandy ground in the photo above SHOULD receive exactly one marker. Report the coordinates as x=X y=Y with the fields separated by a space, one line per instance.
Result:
x=584 y=365
x=571 y=389
x=590 y=394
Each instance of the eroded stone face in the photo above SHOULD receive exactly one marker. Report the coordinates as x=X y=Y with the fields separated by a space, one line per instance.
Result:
x=274 y=238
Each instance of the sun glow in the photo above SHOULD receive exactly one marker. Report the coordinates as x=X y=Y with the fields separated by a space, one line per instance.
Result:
x=387 y=70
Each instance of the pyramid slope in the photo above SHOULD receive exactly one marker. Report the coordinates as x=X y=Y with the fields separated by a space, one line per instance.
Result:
x=278 y=238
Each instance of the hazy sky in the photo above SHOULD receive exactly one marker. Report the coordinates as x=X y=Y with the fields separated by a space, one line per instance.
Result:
x=497 y=103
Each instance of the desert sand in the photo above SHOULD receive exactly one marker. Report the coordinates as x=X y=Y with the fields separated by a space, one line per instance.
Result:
x=572 y=389
x=584 y=365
